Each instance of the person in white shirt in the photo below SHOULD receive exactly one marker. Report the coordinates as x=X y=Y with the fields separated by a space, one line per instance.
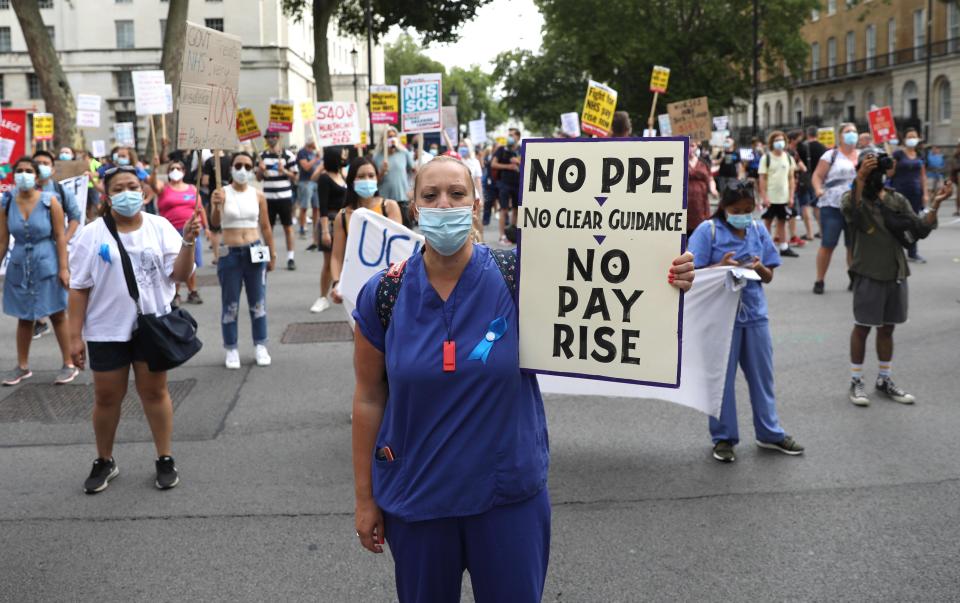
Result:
x=103 y=315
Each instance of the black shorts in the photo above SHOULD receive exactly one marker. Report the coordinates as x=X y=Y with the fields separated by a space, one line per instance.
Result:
x=778 y=211
x=332 y=222
x=112 y=355
x=205 y=201
x=509 y=195
x=879 y=303
x=282 y=209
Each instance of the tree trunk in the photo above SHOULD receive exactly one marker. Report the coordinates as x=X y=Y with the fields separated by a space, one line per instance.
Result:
x=172 y=59
x=54 y=86
x=322 y=11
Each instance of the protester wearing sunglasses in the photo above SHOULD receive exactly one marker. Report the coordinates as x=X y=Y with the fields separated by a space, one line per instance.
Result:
x=241 y=211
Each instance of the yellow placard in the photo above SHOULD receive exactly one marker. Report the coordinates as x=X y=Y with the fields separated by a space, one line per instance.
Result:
x=827 y=137
x=43 y=126
x=308 y=111
x=247 y=127
x=403 y=139
x=384 y=104
x=659 y=79
x=363 y=138
x=281 y=117
x=598 y=108
x=501 y=140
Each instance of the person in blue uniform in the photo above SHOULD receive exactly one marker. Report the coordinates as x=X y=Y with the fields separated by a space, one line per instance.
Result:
x=450 y=445
x=733 y=238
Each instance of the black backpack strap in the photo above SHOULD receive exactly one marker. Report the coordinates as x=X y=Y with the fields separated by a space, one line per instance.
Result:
x=506 y=261
x=132 y=288
x=387 y=290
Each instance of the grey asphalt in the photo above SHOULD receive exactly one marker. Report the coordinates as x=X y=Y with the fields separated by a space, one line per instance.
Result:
x=640 y=510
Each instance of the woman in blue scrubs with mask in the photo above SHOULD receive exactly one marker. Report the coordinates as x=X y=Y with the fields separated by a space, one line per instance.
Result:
x=450 y=446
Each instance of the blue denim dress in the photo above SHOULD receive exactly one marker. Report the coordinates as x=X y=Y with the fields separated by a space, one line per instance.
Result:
x=31 y=289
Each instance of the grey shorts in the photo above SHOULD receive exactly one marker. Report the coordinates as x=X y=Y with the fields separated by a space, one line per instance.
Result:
x=879 y=303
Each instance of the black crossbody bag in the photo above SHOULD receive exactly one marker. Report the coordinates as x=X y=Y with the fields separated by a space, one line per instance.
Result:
x=165 y=341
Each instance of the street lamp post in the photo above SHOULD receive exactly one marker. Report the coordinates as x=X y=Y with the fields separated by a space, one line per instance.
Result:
x=354 y=57
x=453 y=97
x=369 y=17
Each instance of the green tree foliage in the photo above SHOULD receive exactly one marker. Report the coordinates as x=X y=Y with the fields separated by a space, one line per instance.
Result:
x=706 y=43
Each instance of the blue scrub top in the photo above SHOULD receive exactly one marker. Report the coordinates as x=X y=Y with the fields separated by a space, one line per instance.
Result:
x=466 y=441
x=710 y=245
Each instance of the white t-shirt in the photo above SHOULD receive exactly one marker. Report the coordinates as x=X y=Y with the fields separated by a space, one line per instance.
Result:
x=838 y=179
x=111 y=312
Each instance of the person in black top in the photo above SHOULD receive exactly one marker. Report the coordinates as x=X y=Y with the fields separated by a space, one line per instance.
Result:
x=331 y=192
x=810 y=152
x=731 y=168
x=507 y=160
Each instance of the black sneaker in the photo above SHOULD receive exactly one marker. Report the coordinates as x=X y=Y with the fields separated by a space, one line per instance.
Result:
x=887 y=387
x=787 y=446
x=858 y=393
x=291 y=265
x=40 y=328
x=103 y=471
x=312 y=247
x=789 y=253
x=818 y=287
x=167 y=476
x=723 y=452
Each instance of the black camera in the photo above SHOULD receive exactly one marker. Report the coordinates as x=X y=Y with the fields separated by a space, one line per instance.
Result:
x=884 y=162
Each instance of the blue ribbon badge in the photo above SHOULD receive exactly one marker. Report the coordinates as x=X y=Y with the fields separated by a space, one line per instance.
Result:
x=494 y=332
x=105 y=253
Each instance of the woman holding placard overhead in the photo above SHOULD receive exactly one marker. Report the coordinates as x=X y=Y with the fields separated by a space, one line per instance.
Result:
x=450 y=447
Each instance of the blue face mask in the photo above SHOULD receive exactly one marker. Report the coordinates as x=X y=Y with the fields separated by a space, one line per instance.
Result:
x=120 y=160
x=45 y=171
x=127 y=203
x=365 y=188
x=446 y=230
x=779 y=145
x=464 y=152
x=25 y=181
x=739 y=221
x=66 y=157
x=511 y=141
x=850 y=138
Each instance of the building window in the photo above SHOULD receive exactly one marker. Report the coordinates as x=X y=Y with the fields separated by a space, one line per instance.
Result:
x=831 y=57
x=888 y=97
x=815 y=15
x=2 y=95
x=944 y=109
x=4 y=4
x=45 y=4
x=891 y=37
x=870 y=50
x=953 y=27
x=851 y=47
x=919 y=35
x=214 y=24
x=815 y=58
x=869 y=101
x=124 y=34
x=163 y=30
x=778 y=112
x=5 y=42
x=33 y=86
x=910 y=102
x=766 y=115
x=124 y=84
x=850 y=104
x=831 y=7
x=814 y=107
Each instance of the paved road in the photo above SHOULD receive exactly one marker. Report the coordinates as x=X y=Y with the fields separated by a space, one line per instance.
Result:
x=641 y=512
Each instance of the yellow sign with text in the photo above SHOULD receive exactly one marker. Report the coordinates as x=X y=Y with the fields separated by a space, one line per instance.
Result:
x=598 y=108
x=247 y=128
x=827 y=137
x=659 y=79
x=308 y=111
x=43 y=126
x=281 y=117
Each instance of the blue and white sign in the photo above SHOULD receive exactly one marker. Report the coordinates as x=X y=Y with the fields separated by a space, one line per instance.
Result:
x=420 y=102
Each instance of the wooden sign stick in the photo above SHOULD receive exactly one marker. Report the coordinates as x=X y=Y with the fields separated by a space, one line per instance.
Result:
x=153 y=138
x=653 y=110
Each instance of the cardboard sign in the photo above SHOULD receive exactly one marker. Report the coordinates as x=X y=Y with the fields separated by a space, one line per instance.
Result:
x=659 y=79
x=882 y=127
x=88 y=111
x=124 y=135
x=570 y=124
x=478 y=130
x=420 y=102
x=691 y=118
x=43 y=126
x=338 y=123
x=663 y=120
x=721 y=122
x=210 y=79
x=448 y=115
x=98 y=148
x=827 y=137
x=247 y=128
x=598 y=108
x=72 y=168
x=384 y=104
x=601 y=221
x=281 y=116
x=150 y=92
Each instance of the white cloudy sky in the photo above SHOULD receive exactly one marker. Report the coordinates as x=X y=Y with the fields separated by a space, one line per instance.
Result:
x=499 y=26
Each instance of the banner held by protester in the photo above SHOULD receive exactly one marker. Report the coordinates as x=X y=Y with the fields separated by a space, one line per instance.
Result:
x=598 y=108
x=421 y=102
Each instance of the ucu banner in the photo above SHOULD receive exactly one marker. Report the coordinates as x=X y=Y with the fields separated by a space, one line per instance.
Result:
x=374 y=242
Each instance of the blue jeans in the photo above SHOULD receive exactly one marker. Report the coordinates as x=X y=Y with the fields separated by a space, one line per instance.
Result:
x=307 y=195
x=235 y=270
x=832 y=224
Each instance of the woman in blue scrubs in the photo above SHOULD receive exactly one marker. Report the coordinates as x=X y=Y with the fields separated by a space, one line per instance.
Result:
x=733 y=238
x=450 y=446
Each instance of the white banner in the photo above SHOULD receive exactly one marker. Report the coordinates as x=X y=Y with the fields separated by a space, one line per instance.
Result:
x=570 y=124
x=338 y=123
x=478 y=131
x=88 y=110
x=149 y=92
x=123 y=134
x=420 y=98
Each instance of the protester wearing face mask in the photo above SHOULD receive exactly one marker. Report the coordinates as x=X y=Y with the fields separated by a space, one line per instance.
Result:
x=243 y=213
x=700 y=186
x=395 y=170
x=909 y=179
x=176 y=201
x=104 y=316
x=835 y=173
x=436 y=473
x=730 y=170
x=507 y=161
x=753 y=165
x=362 y=192
x=277 y=167
x=777 y=186
x=122 y=157
x=331 y=192
x=35 y=285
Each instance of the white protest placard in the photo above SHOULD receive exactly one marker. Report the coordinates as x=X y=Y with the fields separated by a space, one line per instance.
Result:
x=478 y=131
x=448 y=115
x=78 y=185
x=373 y=243
x=168 y=97
x=663 y=120
x=601 y=221
x=338 y=123
x=720 y=122
x=210 y=79
x=420 y=102
x=718 y=137
x=570 y=124
x=124 y=135
x=88 y=110
x=98 y=148
x=746 y=154
x=6 y=149
x=149 y=91
x=649 y=133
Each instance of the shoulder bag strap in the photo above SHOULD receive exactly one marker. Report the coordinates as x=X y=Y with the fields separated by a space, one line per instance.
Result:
x=507 y=263
x=387 y=290
x=132 y=288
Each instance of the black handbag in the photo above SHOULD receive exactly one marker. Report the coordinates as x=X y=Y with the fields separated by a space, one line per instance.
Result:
x=167 y=341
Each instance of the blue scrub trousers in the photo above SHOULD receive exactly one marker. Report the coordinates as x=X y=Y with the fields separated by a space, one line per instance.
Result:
x=752 y=348
x=506 y=551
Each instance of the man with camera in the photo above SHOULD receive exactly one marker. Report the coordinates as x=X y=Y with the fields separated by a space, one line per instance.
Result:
x=883 y=225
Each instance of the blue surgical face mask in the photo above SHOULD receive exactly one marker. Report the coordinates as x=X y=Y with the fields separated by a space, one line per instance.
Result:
x=446 y=230
x=25 y=181
x=739 y=221
x=912 y=142
x=511 y=141
x=117 y=159
x=365 y=188
x=779 y=145
x=45 y=171
x=894 y=141
x=127 y=203
x=464 y=152
x=66 y=157
x=850 y=138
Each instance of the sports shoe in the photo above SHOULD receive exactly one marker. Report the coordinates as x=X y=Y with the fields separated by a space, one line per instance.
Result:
x=233 y=359
x=167 y=475
x=263 y=356
x=858 y=393
x=312 y=247
x=789 y=253
x=787 y=446
x=103 y=471
x=723 y=452
x=818 y=287
x=887 y=387
x=40 y=328
x=320 y=305
x=194 y=298
x=291 y=265
x=797 y=242
x=17 y=375
x=66 y=374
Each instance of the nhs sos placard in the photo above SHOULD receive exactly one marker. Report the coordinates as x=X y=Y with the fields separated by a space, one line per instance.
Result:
x=420 y=102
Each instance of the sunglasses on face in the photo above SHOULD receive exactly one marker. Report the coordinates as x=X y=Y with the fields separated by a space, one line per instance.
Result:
x=243 y=166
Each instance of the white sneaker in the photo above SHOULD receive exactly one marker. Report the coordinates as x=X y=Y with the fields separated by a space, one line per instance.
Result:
x=320 y=305
x=233 y=359
x=263 y=357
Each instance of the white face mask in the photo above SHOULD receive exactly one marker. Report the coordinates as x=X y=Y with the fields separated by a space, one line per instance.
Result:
x=912 y=142
x=175 y=175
